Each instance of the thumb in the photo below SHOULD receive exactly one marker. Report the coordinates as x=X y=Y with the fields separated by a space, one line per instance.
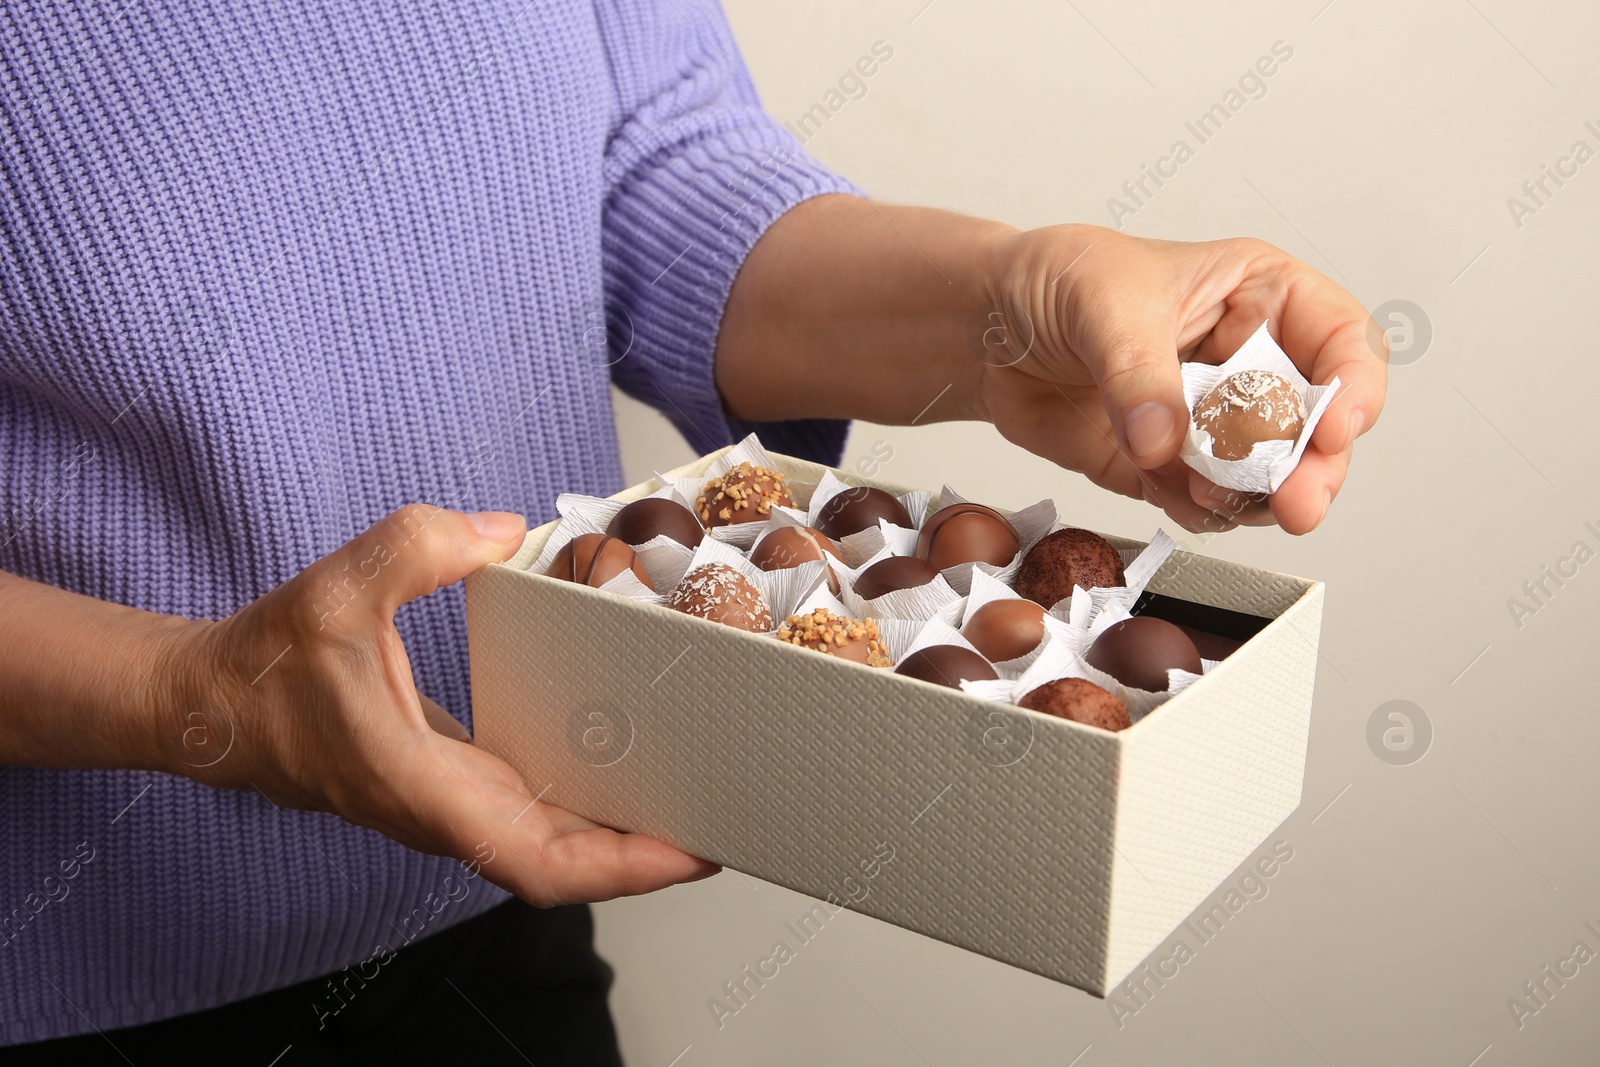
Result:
x=1135 y=366
x=409 y=554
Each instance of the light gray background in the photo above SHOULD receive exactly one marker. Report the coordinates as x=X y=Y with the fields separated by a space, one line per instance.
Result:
x=1383 y=153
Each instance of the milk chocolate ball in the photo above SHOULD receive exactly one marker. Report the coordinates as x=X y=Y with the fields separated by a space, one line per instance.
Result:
x=719 y=593
x=967 y=533
x=1080 y=700
x=1005 y=629
x=947 y=665
x=858 y=508
x=656 y=516
x=594 y=559
x=1251 y=406
x=894 y=572
x=822 y=631
x=1139 y=651
x=1064 y=559
x=745 y=493
x=790 y=546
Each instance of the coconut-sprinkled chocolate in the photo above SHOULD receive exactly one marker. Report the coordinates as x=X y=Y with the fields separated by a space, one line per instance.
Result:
x=967 y=533
x=1005 y=629
x=1139 y=651
x=1251 y=406
x=594 y=559
x=856 y=640
x=857 y=508
x=656 y=516
x=745 y=493
x=894 y=572
x=719 y=593
x=947 y=665
x=1080 y=700
x=1064 y=559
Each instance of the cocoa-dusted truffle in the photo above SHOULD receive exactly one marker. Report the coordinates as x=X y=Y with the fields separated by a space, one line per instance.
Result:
x=894 y=572
x=745 y=493
x=967 y=533
x=852 y=639
x=947 y=665
x=857 y=508
x=594 y=559
x=1005 y=629
x=1251 y=406
x=1080 y=700
x=1064 y=559
x=1139 y=651
x=717 y=592
x=656 y=516
x=790 y=546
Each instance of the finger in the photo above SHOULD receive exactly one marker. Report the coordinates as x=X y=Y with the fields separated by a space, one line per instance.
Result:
x=1129 y=346
x=1302 y=502
x=409 y=554
x=1245 y=509
x=442 y=721
x=601 y=864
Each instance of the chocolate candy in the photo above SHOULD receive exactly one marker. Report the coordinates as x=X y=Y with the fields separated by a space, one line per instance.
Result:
x=1064 y=559
x=894 y=572
x=835 y=635
x=1005 y=629
x=1139 y=651
x=947 y=665
x=1080 y=700
x=719 y=593
x=858 y=508
x=656 y=516
x=1251 y=406
x=790 y=546
x=745 y=493
x=594 y=559
x=967 y=533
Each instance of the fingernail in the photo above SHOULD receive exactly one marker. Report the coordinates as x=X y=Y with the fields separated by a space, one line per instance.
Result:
x=1358 y=422
x=1327 y=502
x=1148 y=428
x=496 y=525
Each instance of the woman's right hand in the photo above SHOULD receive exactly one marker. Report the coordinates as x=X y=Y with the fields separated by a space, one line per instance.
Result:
x=306 y=697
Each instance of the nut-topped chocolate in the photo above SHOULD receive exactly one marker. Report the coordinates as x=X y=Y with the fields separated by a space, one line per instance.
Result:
x=1139 y=651
x=858 y=508
x=947 y=665
x=1080 y=700
x=1249 y=407
x=717 y=592
x=745 y=493
x=594 y=559
x=656 y=516
x=1065 y=559
x=892 y=573
x=856 y=640
x=1005 y=629
x=967 y=533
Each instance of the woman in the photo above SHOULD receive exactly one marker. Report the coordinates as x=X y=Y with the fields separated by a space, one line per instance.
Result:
x=300 y=314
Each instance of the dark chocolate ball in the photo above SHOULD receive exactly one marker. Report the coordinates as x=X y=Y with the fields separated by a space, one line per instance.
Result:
x=822 y=631
x=947 y=665
x=594 y=559
x=719 y=593
x=857 y=508
x=745 y=493
x=1080 y=700
x=894 y=572
x=1139 y=651
x=967 y=533
x=1005 y=629
x=1064 y=559
x=656 y=516
x=1247 y=407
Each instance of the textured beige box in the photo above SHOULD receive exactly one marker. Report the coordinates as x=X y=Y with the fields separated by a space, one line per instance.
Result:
x=1069 y=851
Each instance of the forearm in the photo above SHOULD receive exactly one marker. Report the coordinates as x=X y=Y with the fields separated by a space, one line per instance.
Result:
x=82 y=679
x=849 y=309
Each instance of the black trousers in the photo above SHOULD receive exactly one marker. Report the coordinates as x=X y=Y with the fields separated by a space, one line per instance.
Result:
x=515 y=985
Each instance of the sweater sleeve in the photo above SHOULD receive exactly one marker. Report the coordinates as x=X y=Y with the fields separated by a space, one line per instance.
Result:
x=695 y=173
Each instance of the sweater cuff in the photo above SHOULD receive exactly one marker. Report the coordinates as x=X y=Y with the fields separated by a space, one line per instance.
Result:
x=676 y=234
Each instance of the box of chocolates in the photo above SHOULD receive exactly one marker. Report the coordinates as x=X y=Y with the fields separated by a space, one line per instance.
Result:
x=1065 y=740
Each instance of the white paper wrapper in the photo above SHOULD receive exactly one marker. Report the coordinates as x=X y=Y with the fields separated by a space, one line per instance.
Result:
x=1031 y=523
x=1269 y=462
x=740 y=534
x=936 y=600
x=863 y=544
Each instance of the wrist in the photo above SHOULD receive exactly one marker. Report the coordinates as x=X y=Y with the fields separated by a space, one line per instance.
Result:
x=178 y=722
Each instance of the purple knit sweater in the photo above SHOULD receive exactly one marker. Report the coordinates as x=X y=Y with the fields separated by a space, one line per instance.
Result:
x=267 y=272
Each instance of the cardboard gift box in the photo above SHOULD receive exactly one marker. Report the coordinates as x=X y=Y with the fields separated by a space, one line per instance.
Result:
x=1063 y=849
